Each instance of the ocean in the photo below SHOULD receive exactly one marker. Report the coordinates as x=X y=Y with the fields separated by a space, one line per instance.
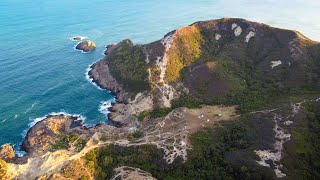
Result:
x=41 y=72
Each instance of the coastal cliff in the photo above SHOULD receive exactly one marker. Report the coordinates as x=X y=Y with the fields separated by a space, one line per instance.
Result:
x=225 y=98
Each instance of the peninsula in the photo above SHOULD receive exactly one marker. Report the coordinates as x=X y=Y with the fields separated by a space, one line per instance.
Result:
x=226 y=98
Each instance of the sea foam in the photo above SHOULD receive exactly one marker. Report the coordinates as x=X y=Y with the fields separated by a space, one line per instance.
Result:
x=91 y=79
x=74 y=47
x=36 y=120
x=104 y=106
x=29 y=109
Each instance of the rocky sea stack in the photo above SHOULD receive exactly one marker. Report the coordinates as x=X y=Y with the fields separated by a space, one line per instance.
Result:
x=7 y=152
x=86 y=46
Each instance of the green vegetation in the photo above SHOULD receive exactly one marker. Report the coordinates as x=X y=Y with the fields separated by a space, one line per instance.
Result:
x=104 y=160
x=183 y=101
x=80 y=144
x=207 y=160
x=142 y=116
x=249 y=89
x=240 y=66
x=134 y=135
x=103 y=138
x=65 y=142
x=226 y=151
x=303 y=159
x=137 y=134
x=128 y=66
x=160 y=112
x=186 y=101
x=186 y=50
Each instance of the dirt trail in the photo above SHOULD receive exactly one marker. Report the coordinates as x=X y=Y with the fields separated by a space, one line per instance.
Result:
x=169 y=133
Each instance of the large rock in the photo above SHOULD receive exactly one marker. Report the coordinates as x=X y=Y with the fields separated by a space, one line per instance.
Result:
x=110 y=48
x=7 y=152
x=77 y=38
x=101 y=75
x=44 y=134
x=86 y=46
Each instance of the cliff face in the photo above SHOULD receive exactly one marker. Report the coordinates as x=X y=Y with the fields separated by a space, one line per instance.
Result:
x=214 y=59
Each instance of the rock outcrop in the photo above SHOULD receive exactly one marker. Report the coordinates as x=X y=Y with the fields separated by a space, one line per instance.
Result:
x=44 y=134
x=122 y=114
x=77 y=38
x=110 y=48
x=63 y=132
x=100 y=75
x=86 y=46
x=7 y=152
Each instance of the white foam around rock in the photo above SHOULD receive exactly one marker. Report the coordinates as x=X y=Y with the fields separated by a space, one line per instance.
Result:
x=275 y=63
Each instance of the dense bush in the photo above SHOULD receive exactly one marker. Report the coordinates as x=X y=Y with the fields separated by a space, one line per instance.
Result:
x=65 y=142
x=186 y=50
x=186 y=101
x=160 y=112
x=205 y=161
x=302 y=160
x=141 y=116
x=128 y=66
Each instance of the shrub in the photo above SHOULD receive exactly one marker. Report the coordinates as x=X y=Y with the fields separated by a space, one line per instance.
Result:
x=128 y=66
x=137 y=134
x=160 y=112
x=142 y=115
x=63 y=141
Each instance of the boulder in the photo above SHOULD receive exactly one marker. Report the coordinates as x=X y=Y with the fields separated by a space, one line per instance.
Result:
x=86 y=46
x=77 y=38
x=45 y=133
x=7 y=152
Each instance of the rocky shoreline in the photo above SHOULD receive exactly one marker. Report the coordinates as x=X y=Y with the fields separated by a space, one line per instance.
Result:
x=100 y=75
x=41 y=136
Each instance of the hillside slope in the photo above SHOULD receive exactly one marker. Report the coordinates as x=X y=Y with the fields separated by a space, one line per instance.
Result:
x=218 y=61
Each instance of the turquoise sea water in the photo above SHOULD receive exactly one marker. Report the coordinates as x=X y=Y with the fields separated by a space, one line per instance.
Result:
x=41 y=73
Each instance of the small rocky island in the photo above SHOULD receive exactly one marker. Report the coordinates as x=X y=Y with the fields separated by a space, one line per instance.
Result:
x=77 y=38
x=220 y=99
x=86 y=46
